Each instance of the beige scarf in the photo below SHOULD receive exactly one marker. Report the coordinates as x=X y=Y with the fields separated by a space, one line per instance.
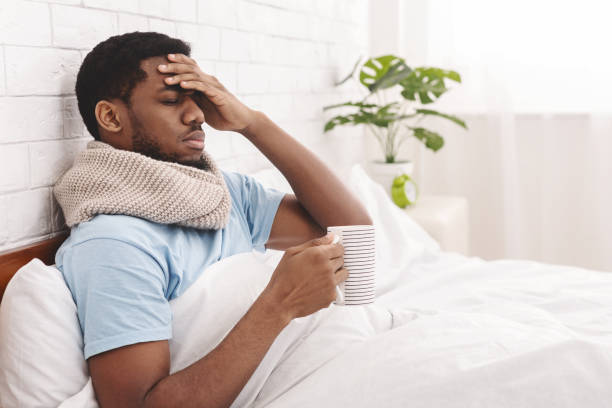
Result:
x=106 y=180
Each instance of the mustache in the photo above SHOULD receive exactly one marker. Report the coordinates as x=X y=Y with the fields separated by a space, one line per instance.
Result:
x=192 y=129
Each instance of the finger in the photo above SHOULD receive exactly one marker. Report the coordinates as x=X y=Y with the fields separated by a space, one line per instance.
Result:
x=341 y=275
x=206 y=105
x=181 y=58
x=182 y=77
x=192 y=79
x=335 y=250
x=183 y=69
x=190 y=74
x=207 y=97
x=324 y=240
x=210 y=91
x=337 y=263
x=174 y=68
x=332 y=250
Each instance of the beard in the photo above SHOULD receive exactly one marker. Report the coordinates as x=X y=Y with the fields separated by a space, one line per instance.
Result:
x=149 y=147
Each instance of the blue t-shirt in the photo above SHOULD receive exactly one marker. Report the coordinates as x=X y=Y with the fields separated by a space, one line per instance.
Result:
x=123 y=270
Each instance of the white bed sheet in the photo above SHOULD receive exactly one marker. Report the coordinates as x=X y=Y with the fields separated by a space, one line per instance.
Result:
x=457 y=332
x=448 y=330
x=463 y=333
x=445 y=331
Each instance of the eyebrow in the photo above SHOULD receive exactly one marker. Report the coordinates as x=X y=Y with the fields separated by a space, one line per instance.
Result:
x=175 y=88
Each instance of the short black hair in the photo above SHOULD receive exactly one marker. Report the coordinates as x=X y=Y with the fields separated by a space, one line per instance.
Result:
x=112 y=69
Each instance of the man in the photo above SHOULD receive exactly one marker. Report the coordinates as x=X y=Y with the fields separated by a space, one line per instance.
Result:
x=144 y=100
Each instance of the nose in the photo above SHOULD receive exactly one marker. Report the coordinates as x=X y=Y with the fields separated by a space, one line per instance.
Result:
x=193 y=112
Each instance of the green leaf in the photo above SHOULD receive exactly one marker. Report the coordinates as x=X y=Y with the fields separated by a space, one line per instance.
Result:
x=443 y=115
x=440 y=73
x=385 y=109
x=336 y=121
x=381 y=116
x=358 y=104
x=424 y=81
x=349 y=76
x=431 y=139
x=383 y=72
x=392 y=77
x=352 y=119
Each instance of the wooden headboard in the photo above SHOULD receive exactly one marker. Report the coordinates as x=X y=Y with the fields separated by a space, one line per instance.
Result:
x=12 y=260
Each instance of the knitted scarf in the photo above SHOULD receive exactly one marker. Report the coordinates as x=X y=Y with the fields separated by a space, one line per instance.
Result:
x=106 y=180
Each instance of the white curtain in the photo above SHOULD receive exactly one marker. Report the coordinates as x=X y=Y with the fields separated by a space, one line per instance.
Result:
x=535 y=162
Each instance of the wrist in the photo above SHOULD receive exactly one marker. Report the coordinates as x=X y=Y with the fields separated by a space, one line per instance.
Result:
x=258 y=118
x=271 y=306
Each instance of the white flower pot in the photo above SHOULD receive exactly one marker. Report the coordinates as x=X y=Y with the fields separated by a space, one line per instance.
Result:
x=384 y=173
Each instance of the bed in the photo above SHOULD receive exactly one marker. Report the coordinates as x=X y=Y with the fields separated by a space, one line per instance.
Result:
x=445 y=330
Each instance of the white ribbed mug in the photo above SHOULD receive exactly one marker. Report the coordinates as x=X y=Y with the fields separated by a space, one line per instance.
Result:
x=359 y=242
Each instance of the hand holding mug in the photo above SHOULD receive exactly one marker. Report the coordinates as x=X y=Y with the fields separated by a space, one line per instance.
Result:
x=307 y=275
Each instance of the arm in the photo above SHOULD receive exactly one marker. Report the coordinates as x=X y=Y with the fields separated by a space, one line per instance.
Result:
x=216 y=379
x=318 y=190
x=138 y=375
x=320 y=199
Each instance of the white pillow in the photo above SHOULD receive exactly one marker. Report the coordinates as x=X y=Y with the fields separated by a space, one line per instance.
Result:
x=41 y=346
x=213 y=304
x=386 y=215
x=400 y=242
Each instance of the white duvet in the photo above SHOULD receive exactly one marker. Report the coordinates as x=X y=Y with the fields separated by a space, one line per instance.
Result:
x=462 y=333
x=445 y=330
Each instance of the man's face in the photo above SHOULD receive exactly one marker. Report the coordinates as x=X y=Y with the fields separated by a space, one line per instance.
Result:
x=161 y=117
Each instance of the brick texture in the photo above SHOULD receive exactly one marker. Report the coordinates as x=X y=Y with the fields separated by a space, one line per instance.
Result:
x=278 y=56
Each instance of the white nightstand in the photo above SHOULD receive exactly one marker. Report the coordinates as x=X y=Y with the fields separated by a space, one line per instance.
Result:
x=445 y=218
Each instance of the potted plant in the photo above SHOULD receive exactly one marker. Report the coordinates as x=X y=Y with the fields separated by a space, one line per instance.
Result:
x=392 y=123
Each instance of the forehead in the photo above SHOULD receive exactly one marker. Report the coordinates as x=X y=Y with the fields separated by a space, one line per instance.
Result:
x=154 y=80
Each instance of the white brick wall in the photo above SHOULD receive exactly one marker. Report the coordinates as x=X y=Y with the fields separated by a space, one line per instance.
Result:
x=117 y=5
x=278 y=56
x=40 y=71
x=2 y=75
x=37 y=31
x=82 y=28
x=132 y=22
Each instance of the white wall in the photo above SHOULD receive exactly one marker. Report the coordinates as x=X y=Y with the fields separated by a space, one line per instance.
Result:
x=278 y=56
x=534 y=164
x=384 y=27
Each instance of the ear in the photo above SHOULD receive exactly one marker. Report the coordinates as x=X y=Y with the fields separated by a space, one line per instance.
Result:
x=108 y=117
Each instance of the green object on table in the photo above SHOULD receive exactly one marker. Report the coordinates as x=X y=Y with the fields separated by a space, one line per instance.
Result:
x=404 y=191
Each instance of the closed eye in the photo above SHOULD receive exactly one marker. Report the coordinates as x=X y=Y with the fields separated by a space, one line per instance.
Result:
x=181 y=95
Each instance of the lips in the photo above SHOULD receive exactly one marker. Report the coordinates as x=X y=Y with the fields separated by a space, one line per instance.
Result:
x=195 y=140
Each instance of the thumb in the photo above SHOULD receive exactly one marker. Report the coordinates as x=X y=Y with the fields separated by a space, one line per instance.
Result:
x=326 y=239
